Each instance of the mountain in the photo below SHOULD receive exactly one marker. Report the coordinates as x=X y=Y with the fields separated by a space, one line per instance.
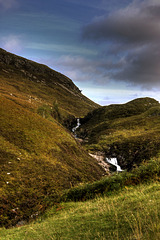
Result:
x=130 y=132
x=37 y=87
x=39 y=157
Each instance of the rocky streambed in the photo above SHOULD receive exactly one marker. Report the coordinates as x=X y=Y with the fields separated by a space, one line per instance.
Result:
x=108 y=164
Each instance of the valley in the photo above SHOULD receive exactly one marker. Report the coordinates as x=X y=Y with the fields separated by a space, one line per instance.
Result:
x=128 y=132
x=70 y=168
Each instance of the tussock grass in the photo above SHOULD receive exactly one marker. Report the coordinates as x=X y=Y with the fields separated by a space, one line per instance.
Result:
x=130 y=214
x=147 y=172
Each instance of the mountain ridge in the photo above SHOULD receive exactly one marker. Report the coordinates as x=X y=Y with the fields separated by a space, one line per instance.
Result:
x=33 y=67
x=39 y=157
x=29 y=79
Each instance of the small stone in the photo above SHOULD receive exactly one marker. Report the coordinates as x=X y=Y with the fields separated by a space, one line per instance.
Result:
x=21 y=223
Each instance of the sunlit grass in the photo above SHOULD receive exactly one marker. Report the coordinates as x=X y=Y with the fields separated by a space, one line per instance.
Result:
x=131 y=214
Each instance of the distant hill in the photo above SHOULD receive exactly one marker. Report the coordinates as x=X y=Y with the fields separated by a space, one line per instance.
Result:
x=130 y=132
x=38 y=156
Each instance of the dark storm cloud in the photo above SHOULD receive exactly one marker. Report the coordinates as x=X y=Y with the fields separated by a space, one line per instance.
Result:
x=132 y=33
x=135 y=23
x=141 y=67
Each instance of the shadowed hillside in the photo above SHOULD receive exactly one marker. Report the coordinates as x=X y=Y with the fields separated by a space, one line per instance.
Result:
x=130 y=132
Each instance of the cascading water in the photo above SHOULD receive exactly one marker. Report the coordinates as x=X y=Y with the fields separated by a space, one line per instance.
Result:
x=114 y=162
x=77 y=126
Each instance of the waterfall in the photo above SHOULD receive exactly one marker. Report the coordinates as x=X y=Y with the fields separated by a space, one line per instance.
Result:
x=114 y=162
x=77 y=126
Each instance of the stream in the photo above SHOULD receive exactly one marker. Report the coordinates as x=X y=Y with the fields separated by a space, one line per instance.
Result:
x=114 y=162
x=77 y=126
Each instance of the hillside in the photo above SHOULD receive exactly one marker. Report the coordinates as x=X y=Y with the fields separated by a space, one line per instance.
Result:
x=38 y=159
x=38 y=88
x=123 y=206
x=130 y=132
x=38 y=156
x=42 y=165
x=104 y=218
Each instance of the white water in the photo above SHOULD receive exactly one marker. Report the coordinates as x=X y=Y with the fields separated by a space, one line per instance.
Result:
x=114 y=162
x=77 y=126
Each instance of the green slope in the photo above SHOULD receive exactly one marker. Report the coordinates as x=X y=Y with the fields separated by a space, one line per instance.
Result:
x=35 y=85
x=38 y=156
x=130 y=132
x=132 y=213
x=38 y=159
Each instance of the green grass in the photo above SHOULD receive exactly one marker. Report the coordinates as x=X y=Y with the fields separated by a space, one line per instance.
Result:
x=38 y=156
x=130 y=132
x=38 y=159
x=147 y=172
x=34 y=85
x=130 y=214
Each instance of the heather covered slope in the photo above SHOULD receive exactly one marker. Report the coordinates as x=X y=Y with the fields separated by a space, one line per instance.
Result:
x=37 y=86
x=130 y=132
x=38 y=159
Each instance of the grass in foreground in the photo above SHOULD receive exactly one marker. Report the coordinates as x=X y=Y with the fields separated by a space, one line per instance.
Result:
x=133 y=213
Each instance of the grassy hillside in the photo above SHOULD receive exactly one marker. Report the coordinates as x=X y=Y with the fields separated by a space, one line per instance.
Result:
x=38 y=87
x=117 y=211
x=38 y=156
x=38 y=159
x=130 y=132
x=42 y=166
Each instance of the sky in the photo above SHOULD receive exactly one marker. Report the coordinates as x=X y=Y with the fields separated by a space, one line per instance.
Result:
x=109 y=48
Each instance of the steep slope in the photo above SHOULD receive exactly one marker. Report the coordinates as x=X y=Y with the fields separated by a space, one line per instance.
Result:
x=36 y=86
x=38 y=159
x=130 y=132
x=38 y=156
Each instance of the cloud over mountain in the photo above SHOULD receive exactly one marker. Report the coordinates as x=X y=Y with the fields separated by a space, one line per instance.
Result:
x=131 y=34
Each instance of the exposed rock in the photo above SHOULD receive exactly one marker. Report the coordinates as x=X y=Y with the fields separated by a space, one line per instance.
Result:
x=21 y=223
x=100 y=157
